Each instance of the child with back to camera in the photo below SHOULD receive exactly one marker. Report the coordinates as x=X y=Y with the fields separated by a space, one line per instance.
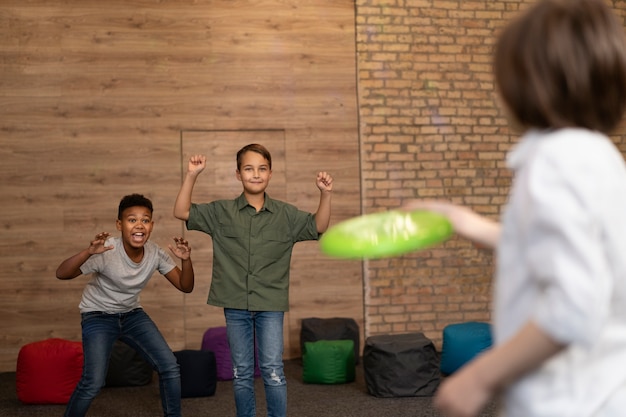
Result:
x=560 y=284
x=110 y=308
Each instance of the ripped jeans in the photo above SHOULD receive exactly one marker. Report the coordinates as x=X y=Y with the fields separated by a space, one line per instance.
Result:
x=241 y=328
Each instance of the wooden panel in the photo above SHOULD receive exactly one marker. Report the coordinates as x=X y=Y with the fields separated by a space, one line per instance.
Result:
x=94 y=99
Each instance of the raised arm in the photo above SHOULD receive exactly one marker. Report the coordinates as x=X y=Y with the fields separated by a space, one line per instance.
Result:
x=70 y=268
x=465 y=222
x=322 y=216
x=196 y=165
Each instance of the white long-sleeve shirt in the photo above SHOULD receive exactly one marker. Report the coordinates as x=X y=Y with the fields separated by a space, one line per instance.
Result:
x=562 y=265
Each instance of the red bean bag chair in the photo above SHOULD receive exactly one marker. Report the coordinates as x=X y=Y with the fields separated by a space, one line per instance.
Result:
x=47 y=371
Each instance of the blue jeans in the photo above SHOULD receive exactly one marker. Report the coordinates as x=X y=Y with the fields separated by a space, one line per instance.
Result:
x=241 y=327
x=100 y=331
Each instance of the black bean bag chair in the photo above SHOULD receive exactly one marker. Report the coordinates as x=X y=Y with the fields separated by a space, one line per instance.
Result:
x=402 y=365
x=127 y=368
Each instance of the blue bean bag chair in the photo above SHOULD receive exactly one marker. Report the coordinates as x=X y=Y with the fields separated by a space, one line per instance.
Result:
x=462 y=342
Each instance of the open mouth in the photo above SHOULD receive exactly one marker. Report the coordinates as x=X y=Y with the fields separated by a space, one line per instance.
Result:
x=137 y=237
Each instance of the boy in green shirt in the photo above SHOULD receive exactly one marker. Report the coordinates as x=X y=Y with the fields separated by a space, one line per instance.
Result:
x=253 y=237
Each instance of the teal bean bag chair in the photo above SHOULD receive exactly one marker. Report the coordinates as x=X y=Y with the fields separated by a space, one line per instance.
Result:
x=462 y=342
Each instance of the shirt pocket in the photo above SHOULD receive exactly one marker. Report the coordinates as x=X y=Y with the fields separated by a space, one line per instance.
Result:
x=231 y=232
x=274 y=245
x=233 y=240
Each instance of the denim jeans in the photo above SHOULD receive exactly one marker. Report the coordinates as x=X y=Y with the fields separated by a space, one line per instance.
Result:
x=100 y=331
x=241 y=327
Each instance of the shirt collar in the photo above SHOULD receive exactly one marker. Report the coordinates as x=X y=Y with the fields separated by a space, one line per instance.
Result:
x=534 y=138
x=269 y=204
x=522 y=150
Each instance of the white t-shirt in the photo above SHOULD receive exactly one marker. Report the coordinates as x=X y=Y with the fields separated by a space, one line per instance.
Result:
x=117 y=280
x=562 y=265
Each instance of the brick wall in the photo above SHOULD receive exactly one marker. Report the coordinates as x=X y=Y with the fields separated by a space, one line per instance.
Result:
x=430 y=127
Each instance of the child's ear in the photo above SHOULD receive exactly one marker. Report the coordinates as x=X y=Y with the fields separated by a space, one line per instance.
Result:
x=118 y=224
x=238 y=175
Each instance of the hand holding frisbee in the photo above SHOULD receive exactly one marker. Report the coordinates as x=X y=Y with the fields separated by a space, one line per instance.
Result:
x=385 y=234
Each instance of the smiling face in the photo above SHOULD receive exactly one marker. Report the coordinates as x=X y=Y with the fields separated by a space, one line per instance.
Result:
x=254 y=172
x=136 y=225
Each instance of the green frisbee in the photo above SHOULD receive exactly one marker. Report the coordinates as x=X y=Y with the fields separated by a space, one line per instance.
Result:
x=385 y=234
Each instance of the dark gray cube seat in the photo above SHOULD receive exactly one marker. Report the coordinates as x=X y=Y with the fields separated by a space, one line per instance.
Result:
x=401 y=365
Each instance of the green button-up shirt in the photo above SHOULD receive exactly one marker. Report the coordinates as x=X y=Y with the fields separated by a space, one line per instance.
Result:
x=251 y=250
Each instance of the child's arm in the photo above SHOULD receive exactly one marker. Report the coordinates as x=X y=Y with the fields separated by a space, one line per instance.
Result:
x=465 y=222
x=70 y=268
x=196 y=165
x=183 y=279
x=465 y=393
x=322 y=216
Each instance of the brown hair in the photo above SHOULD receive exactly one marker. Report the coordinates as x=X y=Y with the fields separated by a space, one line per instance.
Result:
x=254 y=147
x=563 y=64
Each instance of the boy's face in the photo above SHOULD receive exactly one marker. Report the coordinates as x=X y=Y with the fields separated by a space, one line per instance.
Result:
x=136 y=225
x=254 y=173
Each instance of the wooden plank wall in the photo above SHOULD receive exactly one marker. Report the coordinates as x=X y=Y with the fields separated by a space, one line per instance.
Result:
x=95 y=100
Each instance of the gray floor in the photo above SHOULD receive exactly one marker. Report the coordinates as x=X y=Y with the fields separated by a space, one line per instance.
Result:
x=345 y=400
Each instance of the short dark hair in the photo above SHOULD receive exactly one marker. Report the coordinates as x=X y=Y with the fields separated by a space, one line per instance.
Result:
x=133 y=200
x=562 y=63
x=254 y=147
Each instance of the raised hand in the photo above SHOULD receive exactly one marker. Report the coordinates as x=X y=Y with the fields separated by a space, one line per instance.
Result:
x=182 y=250
x=97 y=245
x=197 y=163
x=324 y=181
x=466 y=222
